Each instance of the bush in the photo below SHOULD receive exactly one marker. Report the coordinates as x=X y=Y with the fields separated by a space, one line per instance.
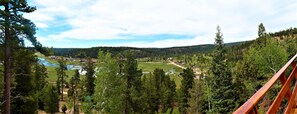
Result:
x=64 y=108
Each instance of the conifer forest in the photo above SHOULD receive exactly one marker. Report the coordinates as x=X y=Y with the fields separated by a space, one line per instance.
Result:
x=48 y=63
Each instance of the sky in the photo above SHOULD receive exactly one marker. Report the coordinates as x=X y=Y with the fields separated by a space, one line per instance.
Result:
x=155 y=23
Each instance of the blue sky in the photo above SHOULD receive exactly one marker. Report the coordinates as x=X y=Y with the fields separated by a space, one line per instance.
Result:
x=155 y=23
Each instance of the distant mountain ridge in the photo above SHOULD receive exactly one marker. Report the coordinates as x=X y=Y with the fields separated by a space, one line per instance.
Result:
x=139 y=52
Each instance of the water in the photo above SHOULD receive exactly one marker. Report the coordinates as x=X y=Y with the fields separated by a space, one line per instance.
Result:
x=48 y=64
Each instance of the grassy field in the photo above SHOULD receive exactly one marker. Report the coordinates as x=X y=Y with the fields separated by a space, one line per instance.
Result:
x=177 y=79
x=52 y=74
x=151 y=66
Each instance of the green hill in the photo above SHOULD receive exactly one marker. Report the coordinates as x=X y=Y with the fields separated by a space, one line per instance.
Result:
x=139 y=52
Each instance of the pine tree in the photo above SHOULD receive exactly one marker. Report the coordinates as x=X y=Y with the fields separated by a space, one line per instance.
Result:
x=25 y=100
x=159 y=76
x=51 y=99
x=187 y=84
x=76 y=94
x=73 y=91
x=15 y=29
x=40 y=76
x=90 y=77
x=262 y=36
x=261 y=30
x=167 y=94
x=149 y=94
x=61 y=74
x=221 y=80
x=132 y=77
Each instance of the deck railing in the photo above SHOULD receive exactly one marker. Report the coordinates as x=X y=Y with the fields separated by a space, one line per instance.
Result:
x=250 y=106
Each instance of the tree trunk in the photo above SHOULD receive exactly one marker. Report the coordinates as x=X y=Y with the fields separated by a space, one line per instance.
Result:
x=62 y=86
x=74 y=102
x=197 y=97
x=7 y=60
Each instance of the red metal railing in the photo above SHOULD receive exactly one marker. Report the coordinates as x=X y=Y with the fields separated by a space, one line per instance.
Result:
x=250 y=106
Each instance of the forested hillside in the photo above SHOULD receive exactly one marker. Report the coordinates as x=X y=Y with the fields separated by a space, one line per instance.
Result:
x=139 y=52
x=203 y=79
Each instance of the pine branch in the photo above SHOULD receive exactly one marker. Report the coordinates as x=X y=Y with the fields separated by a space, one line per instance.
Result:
x=273 y=69
x=12 y=98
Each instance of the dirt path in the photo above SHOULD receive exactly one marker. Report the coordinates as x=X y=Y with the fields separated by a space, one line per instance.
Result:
x=173 y=63
x=197 y=71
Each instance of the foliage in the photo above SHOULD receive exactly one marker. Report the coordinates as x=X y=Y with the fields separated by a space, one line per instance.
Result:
x=159 y=92
x=40 y=76
x=73 y=83
x=90 y=77
x=87 y=105
x=150 y=94
x=64 y=108
x=61 y=76
x=109 y=89
x=187 y=84
x=51 y=99
x=199 y=98
x=25 y=101
x=290 y=45
x=257 y=66
x=73 y=92
x=133 y=86
x=221 y=79
x=139 y=52
x=14 y=30
x=286 y=32
x=261 y=30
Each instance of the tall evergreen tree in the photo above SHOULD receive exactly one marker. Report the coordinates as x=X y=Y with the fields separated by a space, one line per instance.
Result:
x=40 y=76
x=159 y=76
x=261 y=30
x=149 y=94
x=168 y=88
x=90 y=77
x=187 y=84
x=61 y=74
x=76 y=94
x=221 y=79
x=73 y=91
x=262 y=36
x=51 y=99
x=25 y=100
x=132 y=77
x=40 y=82
x=15 y=29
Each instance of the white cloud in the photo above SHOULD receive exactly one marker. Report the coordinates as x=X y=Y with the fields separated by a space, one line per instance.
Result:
x=107 y=19
x=41 y=25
